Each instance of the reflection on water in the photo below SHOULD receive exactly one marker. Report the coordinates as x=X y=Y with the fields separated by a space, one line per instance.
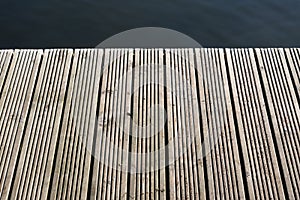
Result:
x=85 y=23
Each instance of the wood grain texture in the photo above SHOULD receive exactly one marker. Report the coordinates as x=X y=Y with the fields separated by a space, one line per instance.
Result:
x=80 y=123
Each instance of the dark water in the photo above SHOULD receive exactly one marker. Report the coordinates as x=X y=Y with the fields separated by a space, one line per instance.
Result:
x=85 y=23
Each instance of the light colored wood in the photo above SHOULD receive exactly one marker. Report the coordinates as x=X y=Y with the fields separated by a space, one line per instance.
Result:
x=196 y=131
x=83 y=156
x=284 y=110
x=62 y=110
x=147 y=100
x=22 y=106
x=50 y=105
x=252 y=102
x=98 y=164
x=189 y=121
x=180 y=177
x=11 y=108
x=169 y=106
x=133 y=160
x=67 y=177
x=293 y=58
x=139 y=123
x=188 y=183
x=181 y=126
x=60 y=161
x=6 y=107
x=200 y=64
x=153 y=132
x=92 y=72
x=220 y=120
x=114 y=142
x=129 y=58
x=5 y=59
x=122 y=92
x=43 y=125
x=161 y=101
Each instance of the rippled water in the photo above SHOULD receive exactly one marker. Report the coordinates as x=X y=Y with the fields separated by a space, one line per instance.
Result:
x=85 y=23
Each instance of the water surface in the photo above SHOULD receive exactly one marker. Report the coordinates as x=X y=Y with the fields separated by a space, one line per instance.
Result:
x=213 y=23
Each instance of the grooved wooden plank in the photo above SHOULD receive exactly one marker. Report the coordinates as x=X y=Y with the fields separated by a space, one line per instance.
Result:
x=32 y=176
x=124 y=92
x=161 y=133
x=5 y=58
x=147 y=64
x=60 y=161
x=284 y=111
x=113 y=127
x=108 y=124
x=135 y=112
x=254 y=126
x=147 y=75
x=223 y=162
x=127 y=126
x=147 y=118
x=183 y=87
x=180 y=172
x=293 y=56
x=14 y=108
x=175 y=192
x=71 y=174
x=115 y=146
x=150 y=180
x=139 y=123
x=186 y=174
x=194 y=120
x=169 y=106
x=88 y=127
x=114 y=142
x=65 y=150
x=196 y=132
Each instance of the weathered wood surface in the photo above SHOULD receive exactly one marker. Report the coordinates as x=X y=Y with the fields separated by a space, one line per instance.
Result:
x=80 y=124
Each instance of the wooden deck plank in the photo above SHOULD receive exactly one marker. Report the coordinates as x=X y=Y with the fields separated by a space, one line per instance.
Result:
x=73 y=127
x=108 y=124
x=129 y=59
x=5 y=59
x=196 y=123
x=123 y=85
x=187 y=171
x=34 y=148
x=254 y=131
x=177 y=129
x=187 y=143
x=211 y=65
x=78 y=127
x=284 y=111
x=111 y=177
x=161 y=133
x=145 y=184
x=141 y=104
x=7 y=109
x=15 y=101
x=20 y=112
x=181 y=126
x=98 y=165
x=293 y=57
x=46 y=121
x=135 y=115
x=112 y=125
x=19 y=178
x=170 y=127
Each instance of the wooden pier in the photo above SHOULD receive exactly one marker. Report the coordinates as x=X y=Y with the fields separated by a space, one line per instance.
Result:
x=232 y=115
